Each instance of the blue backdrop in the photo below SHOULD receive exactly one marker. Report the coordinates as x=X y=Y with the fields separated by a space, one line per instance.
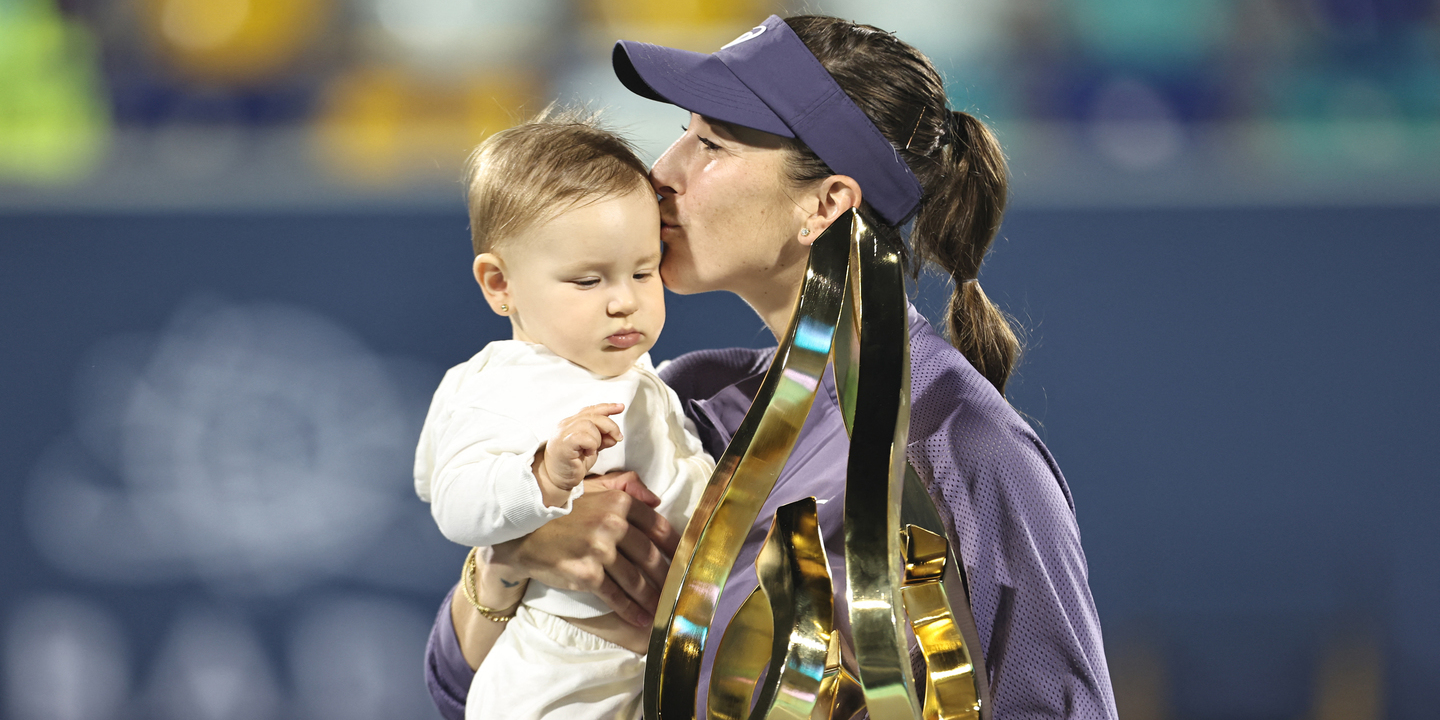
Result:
x=209 y=420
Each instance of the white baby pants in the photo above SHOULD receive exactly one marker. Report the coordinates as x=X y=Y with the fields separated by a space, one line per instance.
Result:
x=544 y=667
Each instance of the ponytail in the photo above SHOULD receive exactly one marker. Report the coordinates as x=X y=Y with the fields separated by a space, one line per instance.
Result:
x=957 y=223
x=954 y=156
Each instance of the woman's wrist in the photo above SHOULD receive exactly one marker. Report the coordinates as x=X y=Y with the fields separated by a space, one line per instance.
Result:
x=483 y=602
x=497 y=584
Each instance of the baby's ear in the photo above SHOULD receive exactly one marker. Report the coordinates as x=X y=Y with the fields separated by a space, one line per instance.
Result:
x=490 y=274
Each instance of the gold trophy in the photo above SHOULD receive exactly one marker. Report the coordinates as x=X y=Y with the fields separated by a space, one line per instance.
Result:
x=782 y=655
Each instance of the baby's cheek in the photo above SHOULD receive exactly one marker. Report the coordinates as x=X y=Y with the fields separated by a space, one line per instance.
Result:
x=660 y=312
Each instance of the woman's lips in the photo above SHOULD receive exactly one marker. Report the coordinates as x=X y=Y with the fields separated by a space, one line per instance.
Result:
x=625 y=340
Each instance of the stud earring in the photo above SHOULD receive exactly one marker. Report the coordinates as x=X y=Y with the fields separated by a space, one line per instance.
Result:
x=804 y=232
x=504 y=308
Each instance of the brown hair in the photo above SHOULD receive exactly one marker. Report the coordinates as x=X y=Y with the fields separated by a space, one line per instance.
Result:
x=520 y=177
x=955 y=157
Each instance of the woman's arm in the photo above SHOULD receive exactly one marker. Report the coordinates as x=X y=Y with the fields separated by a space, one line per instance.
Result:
x=497 y=586
x=1029 y=584
x=612 y=543
x=447 y=674
x=462 y=636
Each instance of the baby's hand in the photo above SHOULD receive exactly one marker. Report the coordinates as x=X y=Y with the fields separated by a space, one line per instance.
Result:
x=566 y=459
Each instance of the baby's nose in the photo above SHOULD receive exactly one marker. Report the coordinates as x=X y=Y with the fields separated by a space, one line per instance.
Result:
x=622 y=302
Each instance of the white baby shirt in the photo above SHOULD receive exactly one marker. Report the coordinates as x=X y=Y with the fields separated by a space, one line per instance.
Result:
x=492 y=412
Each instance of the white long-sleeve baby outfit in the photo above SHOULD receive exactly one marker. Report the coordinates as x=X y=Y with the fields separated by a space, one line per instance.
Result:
x=493 y=412
x=473 y=465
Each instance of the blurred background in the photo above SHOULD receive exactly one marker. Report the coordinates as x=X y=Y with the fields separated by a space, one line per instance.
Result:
x=234 y=263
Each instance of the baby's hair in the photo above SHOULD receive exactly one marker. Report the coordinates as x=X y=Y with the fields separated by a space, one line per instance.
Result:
x=528 y=174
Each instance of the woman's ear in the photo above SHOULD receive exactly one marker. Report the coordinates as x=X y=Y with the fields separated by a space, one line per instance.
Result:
x=837 y=194
x=490 y=274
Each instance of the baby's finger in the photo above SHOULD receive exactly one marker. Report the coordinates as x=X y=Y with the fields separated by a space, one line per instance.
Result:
x=602 y=409
x=608 y=429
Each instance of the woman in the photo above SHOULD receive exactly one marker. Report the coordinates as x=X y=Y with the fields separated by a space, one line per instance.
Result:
x=778 y=147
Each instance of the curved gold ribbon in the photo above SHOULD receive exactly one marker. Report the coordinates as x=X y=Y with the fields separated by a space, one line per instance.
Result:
x=840 y=696
x=743 y=653
x=853 y=295
x=934 y=612
x=795 y=636
x=875 y=471
x=950 y=690
x=717 y=529
x=872 y=366
x=795 y=576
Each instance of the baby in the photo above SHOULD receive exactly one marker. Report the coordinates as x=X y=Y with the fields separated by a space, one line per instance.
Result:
x=566 y=233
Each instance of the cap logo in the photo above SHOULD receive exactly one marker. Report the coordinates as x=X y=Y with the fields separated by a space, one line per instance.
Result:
x=753 y=33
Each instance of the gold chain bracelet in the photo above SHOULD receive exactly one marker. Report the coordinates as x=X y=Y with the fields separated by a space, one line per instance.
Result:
x=467 y=586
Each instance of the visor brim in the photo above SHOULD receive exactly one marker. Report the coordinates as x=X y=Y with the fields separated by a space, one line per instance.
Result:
x=697 y=82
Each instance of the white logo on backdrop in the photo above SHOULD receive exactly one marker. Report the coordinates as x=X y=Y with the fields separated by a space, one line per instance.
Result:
x=259 y=448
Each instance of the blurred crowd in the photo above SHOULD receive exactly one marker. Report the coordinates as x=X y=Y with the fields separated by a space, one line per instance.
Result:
x=385 y=93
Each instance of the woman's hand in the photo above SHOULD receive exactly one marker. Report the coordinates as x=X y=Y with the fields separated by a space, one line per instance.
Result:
x=612 y=544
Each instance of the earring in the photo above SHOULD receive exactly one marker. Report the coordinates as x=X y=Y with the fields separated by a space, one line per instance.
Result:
x=504 y=308
x=804 y=232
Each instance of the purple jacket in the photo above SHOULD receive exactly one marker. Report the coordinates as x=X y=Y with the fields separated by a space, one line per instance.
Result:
x=992 y=479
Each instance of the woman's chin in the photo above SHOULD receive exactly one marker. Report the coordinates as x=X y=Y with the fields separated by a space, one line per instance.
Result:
x=677 y=282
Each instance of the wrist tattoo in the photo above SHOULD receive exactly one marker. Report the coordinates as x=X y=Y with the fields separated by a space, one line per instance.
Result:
x=509 y=584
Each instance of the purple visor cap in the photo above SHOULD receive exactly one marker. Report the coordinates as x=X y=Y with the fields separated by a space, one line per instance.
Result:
x=768 y=80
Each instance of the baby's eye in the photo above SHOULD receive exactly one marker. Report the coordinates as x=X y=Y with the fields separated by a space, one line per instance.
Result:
x=586 y=282
x=644 y=274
